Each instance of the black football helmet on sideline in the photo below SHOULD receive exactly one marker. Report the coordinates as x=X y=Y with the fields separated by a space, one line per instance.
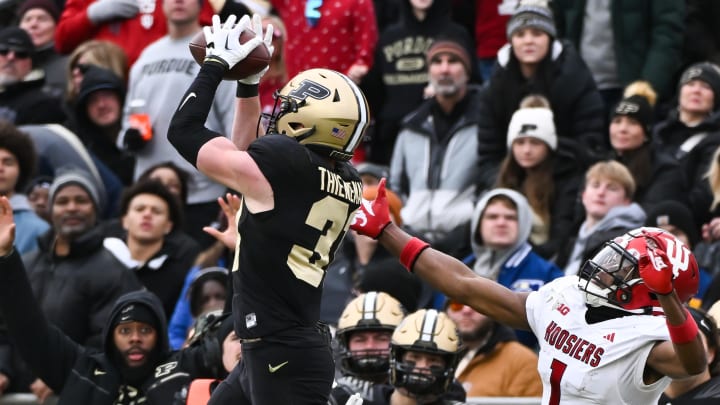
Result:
x=427 y=331
x=372 y=311
x=322 y=109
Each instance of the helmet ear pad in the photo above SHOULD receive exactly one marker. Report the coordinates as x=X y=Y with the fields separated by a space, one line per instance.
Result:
x=624 y=296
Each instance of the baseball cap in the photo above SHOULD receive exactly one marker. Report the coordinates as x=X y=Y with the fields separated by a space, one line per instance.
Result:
x=17 y=40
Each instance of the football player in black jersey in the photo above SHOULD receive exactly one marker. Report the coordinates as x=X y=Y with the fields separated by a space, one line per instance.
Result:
x=299 y=197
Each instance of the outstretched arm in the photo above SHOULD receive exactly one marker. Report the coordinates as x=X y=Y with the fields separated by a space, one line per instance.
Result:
x=684 y=354
x=443 y=272
x=49 y=353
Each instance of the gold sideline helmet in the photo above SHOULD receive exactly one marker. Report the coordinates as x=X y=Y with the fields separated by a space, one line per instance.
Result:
x=322 y=109
x=426 y=331
x=372 y=311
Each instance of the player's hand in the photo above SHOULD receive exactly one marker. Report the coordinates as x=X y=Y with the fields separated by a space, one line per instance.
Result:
x=4 y=382
x=656 y=272
x=7 y=227
x=133 y=140
x=266 y=39
x=228 y=237
x=356 y=72
x=355 y=399
x=373 y=216
x=106 y=10
x=41 y=390
x=223 y=41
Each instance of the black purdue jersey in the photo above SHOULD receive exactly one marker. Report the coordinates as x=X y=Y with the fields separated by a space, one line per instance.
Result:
x=282 y=254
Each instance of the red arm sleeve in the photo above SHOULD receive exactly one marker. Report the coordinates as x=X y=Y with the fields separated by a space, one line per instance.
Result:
x=74 y=26
x=365 y=32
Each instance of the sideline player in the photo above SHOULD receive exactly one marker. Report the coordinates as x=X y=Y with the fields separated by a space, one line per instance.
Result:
x=299 y=197
x=603 y=337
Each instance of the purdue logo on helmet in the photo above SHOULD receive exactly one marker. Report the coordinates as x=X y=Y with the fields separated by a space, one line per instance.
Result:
x=427 y=331
x=372 y=311
x=324 y=110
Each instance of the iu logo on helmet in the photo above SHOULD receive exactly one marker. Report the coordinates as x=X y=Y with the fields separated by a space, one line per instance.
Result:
x=678 y=255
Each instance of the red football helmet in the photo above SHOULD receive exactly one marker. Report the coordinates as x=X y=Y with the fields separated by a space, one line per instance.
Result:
x=612 y=277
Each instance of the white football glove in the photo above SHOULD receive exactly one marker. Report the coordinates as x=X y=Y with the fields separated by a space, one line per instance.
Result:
x=355 y=399
x=223 y=41
x=266 y=39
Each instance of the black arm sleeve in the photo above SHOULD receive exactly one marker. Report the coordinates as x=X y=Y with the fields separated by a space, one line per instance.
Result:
x=49 y=353
x=187 y=132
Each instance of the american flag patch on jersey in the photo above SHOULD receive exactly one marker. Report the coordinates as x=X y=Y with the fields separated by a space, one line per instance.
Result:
x=338 y=133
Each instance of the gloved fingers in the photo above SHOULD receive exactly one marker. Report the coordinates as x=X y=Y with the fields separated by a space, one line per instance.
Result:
x=257 y=24
x=244 y=22
x=216 y=23
x=268 y=39
x=233 y=38
x=250 y=45
x=208 y=37
x=230 y=22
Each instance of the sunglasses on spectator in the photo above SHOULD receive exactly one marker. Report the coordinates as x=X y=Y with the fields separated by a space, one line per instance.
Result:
x=18 y=54
x=82 y=66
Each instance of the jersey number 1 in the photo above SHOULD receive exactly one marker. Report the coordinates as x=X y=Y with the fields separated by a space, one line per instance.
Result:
x=329 y=216
x=558 y=369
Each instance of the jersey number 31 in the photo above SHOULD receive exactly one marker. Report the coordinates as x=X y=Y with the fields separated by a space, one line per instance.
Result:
x=331 y=217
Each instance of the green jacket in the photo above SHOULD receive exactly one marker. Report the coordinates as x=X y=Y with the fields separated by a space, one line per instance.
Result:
x=648 y=37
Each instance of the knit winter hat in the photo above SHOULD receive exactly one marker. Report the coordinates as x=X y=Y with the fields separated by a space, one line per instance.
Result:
x=638 y=108
x=532 y=14
x=74 y=175
x=47 y=5
x=136 y=312
x=674 y=213
x=707 y=72
x=533 y=122
x=452 y=47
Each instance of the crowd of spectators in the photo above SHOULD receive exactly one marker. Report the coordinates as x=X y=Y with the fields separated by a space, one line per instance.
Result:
x=516 y=135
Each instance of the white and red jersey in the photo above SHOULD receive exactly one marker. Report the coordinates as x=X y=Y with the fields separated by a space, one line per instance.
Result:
x=599 y=363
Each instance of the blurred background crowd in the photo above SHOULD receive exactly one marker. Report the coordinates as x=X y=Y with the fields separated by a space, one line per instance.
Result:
x=516 y=136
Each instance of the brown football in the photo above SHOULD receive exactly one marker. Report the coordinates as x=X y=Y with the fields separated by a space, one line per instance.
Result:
x=253 y=63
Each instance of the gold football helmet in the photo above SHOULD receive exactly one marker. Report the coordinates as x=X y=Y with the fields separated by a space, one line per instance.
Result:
x=322 y=109
x=426 y=331
x=372 y=311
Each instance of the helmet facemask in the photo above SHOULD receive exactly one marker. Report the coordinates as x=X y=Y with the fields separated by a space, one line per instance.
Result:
x=609 y=276
x=425 y=384
x=283 y=105
x=371 y=365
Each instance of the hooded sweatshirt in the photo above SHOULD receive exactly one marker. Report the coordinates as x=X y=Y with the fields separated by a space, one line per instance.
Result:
x=516 y=267
x=86 y=376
